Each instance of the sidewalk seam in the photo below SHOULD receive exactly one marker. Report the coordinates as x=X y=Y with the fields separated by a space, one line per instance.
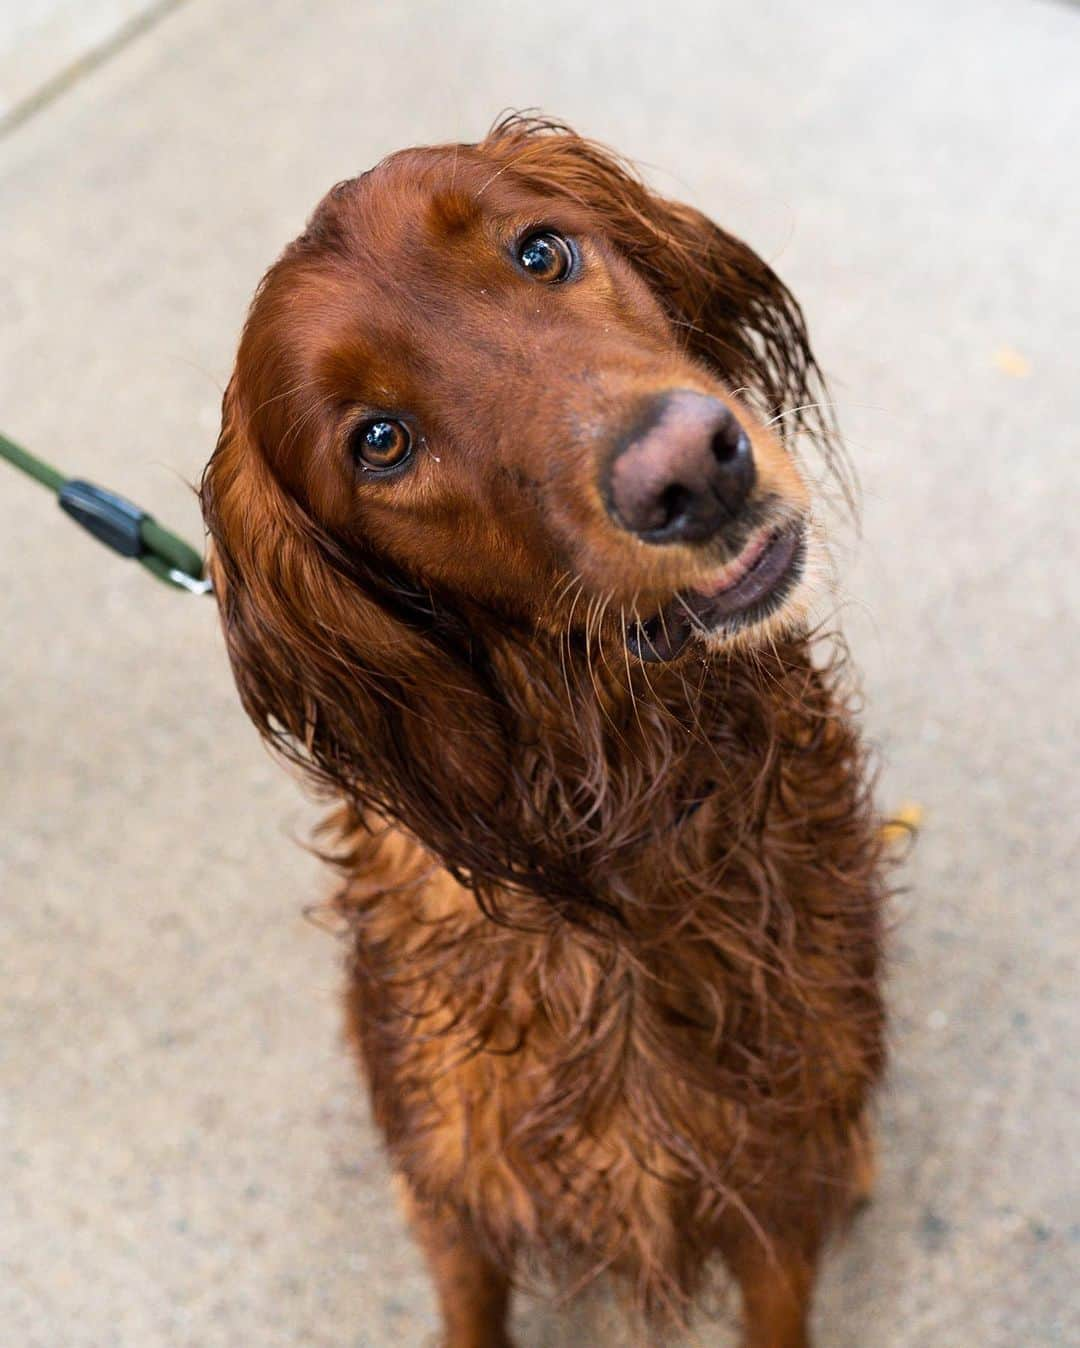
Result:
x=57 y=85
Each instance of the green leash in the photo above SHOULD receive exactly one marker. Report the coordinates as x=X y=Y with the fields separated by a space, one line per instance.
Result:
x=120 y=524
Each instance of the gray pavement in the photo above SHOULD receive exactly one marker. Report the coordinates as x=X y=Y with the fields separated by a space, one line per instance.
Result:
x=47 y=42
x=185 y=1157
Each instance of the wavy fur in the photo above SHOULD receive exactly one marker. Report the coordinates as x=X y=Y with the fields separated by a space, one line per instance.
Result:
x=615 y=928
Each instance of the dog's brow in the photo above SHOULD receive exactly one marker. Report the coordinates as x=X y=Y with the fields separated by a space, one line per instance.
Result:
x=452 y=212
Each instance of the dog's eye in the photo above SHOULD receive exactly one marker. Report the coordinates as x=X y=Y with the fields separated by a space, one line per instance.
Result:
x=381 y=444
x=546 y=257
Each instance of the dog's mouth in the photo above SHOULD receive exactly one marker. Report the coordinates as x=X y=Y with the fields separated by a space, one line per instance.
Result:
x=746 y=591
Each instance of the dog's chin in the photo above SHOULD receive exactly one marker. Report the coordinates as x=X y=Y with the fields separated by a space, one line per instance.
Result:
x=755 y=596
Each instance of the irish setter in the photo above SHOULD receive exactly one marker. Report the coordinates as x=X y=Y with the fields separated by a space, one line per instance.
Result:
x=513 y=549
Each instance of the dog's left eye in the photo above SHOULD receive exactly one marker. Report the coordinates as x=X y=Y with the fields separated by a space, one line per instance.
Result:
x=546 y=256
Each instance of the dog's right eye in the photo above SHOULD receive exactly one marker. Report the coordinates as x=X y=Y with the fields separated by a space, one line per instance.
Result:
x=380 y=443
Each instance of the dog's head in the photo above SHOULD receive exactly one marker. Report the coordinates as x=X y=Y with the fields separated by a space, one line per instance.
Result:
x=503 y=387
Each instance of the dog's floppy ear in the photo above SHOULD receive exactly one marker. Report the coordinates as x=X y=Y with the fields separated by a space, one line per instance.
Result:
x=342 y=668
x=730 y=308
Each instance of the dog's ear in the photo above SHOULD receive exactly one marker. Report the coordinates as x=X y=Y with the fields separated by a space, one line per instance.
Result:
x=342 y=667
x=730 y=308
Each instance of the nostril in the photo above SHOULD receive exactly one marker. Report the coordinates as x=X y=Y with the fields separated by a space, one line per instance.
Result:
x=730 y=442
x=674 y=504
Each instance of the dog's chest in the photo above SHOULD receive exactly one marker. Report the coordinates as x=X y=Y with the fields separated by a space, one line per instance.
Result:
x=562 y=1086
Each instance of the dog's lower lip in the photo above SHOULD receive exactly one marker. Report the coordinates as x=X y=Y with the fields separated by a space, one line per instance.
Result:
x=763 y=575
x=768 y=563
x=736 y=571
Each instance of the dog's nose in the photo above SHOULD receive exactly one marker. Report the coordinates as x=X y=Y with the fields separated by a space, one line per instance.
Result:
x=685 y=474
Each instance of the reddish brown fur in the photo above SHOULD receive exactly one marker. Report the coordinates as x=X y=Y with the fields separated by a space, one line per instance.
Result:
x=615 y=928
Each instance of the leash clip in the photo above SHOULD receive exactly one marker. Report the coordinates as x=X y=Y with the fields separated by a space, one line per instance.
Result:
x=111 y=519
x=117 y=522
x=128 y=530
x=193 y=584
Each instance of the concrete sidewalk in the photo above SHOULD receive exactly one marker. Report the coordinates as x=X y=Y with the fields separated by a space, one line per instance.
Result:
x=46 y=45
x=185 y=1157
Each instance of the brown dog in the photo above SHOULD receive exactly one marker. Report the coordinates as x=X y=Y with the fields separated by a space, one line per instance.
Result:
x=513 y=557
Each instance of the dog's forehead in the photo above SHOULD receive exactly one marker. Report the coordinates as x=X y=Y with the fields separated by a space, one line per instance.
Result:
x=429 y=205
x=409 y=248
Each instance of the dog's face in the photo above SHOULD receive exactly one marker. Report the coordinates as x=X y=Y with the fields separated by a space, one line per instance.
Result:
x=472 y=367
x=498 y=437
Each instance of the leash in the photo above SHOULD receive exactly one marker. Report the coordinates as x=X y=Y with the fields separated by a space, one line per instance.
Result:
x=118 y=523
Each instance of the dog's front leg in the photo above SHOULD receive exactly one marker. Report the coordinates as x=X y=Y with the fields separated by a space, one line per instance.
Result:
x=473 y=1291
x=776 y=1281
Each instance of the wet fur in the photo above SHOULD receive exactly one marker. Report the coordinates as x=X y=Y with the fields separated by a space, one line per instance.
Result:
x=614 y=929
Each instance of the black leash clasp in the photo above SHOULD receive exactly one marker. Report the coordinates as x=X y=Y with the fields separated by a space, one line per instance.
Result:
x=118 y=523
x=112 y=520
x=128 y=530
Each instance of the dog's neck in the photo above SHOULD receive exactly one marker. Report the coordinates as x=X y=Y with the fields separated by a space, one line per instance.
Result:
x=622 y=781
x=675 y=851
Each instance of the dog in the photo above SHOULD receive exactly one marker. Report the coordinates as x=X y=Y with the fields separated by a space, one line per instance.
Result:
x=515 y=550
